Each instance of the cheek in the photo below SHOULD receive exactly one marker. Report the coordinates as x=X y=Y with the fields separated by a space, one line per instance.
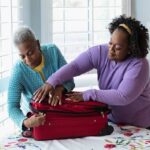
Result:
x=35 y=57
x=121 y=55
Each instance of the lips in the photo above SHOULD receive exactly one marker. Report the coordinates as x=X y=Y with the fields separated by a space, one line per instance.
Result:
x=30 y=64
x=111 y=55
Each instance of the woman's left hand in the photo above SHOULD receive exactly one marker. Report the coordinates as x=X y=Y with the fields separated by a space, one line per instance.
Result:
x=75 y=97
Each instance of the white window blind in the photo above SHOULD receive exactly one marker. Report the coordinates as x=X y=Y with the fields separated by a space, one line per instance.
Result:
x=76 y=25
x=80 y=24
x=10 y=19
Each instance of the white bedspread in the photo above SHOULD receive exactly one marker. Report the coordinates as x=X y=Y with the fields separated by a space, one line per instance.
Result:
x=123 y=138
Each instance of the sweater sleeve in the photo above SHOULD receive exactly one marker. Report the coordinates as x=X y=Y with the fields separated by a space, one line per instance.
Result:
x=130 y=88
x=83 y=63
x=69 y=84
x=14 y=97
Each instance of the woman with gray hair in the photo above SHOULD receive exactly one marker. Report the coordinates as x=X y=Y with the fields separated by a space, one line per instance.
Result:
x=36 y=65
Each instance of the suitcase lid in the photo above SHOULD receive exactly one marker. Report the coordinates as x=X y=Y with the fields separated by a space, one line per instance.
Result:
x=69 y=106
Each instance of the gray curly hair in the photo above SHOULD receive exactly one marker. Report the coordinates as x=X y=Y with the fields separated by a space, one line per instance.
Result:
x=23 y=34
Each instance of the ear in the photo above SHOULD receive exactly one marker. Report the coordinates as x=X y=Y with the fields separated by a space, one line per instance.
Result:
x=38 y=44
x=130 y=50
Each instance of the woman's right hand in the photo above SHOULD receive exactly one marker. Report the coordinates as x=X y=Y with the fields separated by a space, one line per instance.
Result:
x=42 y=92
x=34 y=121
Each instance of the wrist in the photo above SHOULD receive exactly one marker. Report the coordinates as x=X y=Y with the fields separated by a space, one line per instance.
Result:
x=61 y=88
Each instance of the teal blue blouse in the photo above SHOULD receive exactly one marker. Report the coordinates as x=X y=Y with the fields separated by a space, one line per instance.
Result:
x=25 y=81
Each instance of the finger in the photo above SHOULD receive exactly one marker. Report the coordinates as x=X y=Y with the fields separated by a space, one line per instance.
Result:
x=43 y=96
x=67 y=95
x=70 y=94
x=71 y=97
x=27 y=133
x=40 y=94
x=49 y=100
x=53 y=101
x=43 y=122
x=35 y=94
x=50 y=97
x=60 y=102
x=41 y=119
x=36 y=97
x=68 y=99
x=35 y=115
x=75 y=98
x=56 y=101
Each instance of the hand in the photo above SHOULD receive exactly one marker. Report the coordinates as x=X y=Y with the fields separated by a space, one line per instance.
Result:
x=34 y=121
x=56 y=96
x=27 y=133
x=42 y=92
x=75 y=97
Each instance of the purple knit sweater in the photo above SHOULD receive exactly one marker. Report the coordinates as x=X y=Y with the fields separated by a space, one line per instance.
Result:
x=124 y=86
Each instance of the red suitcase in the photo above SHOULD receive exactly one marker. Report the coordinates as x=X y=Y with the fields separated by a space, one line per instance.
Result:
x=71 y=120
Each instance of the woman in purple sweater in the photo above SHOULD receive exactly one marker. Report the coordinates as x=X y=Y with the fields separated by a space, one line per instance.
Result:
x=122 y=71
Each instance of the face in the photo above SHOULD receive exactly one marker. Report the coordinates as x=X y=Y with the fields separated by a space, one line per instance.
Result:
x=118 y=46
x=29 y=52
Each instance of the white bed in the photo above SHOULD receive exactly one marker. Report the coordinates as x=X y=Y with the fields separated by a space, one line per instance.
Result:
x=123 y=138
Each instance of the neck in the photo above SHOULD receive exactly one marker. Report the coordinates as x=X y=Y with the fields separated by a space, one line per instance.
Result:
x=39 y=60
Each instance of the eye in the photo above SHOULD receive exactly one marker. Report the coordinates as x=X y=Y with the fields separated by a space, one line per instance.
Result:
x=30 y=53
x=118 y=47
x=22 y=56
x=110 y=43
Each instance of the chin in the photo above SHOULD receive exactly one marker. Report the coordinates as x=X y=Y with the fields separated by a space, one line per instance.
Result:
x=30 y=65
x=111 y=57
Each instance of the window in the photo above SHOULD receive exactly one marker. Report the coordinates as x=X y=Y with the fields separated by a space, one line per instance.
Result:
x=10 y=19
x=76 y=25
x=73 y=25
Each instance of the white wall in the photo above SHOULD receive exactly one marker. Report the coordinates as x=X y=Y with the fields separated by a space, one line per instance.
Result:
x=141 y=11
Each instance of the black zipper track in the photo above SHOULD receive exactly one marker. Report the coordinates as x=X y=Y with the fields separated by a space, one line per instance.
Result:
x=102 y=109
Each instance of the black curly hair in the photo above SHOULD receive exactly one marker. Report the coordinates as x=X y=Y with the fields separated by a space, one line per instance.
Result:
x=139 y=37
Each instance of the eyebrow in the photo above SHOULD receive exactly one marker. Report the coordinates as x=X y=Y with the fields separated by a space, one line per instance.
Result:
x=26 y=52
x=116 y=43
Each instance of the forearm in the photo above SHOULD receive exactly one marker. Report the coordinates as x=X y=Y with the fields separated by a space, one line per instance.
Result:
x=80 y=65
x=110 y=97
x=16 y=115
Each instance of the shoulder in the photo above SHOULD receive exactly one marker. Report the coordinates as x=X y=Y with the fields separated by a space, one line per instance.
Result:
x=139 y=67
x=99 y=50
x=18 y=69
x=101 y=47
x=98 y=53
x=17 y=66
x=140 y=62
x=51 y=53
x=49 y=48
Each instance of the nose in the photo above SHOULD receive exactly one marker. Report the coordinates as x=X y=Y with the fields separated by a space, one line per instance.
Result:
x=27 y=60
x=112 y=48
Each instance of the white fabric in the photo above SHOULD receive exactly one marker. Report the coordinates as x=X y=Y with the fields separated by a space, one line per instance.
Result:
x=123 y=138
